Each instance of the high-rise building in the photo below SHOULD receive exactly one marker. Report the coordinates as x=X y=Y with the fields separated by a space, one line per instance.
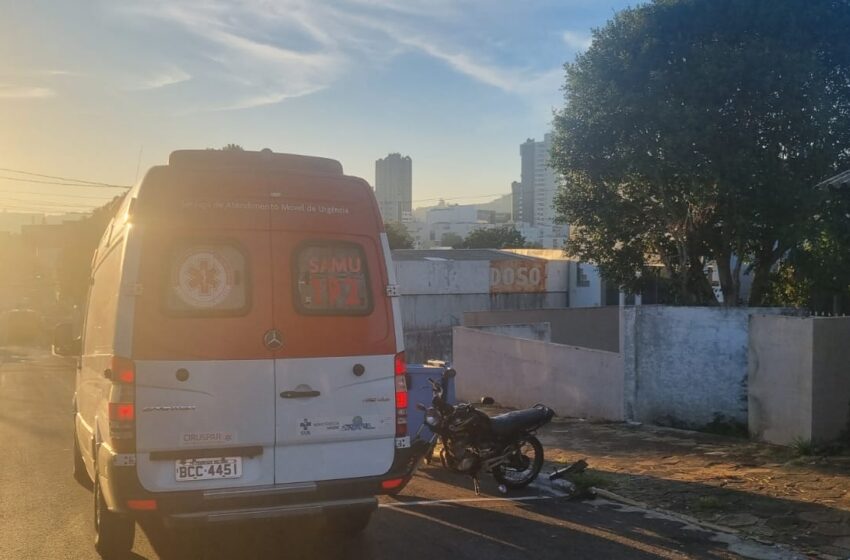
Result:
x=534 y=196
x=394 y=187
x=516 y=201
x=538 y=181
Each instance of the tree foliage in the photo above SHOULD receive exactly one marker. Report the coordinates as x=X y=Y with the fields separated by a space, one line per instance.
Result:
x=502 y=237
x=816 y=272
x=695 y=131
x=398 y=235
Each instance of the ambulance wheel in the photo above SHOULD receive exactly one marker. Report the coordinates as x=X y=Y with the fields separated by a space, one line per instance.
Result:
x=113 y=533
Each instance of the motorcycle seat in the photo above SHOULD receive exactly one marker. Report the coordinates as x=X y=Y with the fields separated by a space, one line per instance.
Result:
x=518 y=420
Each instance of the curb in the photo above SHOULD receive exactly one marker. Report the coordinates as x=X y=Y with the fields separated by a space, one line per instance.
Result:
x=689 y=520
x=680 y=516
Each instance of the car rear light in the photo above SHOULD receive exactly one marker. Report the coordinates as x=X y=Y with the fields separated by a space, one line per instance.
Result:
x=122 y=405
x=122 y=412
x=141 y=505
x=123 y=370
x=400 y=396
x=392 y=483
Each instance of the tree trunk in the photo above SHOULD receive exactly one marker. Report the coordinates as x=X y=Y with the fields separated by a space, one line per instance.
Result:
x=761 y=281
x=729 y=282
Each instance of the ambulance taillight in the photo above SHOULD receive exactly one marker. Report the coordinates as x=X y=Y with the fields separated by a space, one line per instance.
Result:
x=122 y=405
x=400 y=396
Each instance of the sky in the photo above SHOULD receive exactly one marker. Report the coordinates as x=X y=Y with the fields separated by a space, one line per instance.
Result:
x=103 y=89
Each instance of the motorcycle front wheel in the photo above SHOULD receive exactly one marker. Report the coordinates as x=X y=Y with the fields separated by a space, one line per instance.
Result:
x=523 y=466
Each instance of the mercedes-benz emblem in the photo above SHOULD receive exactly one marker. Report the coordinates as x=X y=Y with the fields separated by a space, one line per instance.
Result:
x=273 y=339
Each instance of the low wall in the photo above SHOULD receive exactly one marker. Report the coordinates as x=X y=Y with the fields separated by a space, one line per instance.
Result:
x=831 y=384
x=588 y=327
x=780 y=379
x=530 y=331
x=516 y=372
x=799 y=378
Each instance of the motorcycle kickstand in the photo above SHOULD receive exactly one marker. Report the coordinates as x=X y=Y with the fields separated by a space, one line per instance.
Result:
x=476 y=485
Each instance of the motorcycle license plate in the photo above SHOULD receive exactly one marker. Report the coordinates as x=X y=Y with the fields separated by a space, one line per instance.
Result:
x=208 y=469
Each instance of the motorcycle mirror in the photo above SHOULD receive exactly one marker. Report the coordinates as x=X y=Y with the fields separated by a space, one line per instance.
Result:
x=449 y=373
x=422 y=407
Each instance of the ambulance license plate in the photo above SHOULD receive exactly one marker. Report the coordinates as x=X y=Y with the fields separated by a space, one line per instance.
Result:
x=208 y=469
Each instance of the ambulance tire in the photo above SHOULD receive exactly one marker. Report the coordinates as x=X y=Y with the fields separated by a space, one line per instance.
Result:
x=113 y=533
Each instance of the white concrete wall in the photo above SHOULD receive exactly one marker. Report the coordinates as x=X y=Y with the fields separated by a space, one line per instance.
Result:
x=799 y=387
x=443 y=277
x=573 y=381
x=685 y=366
x=780 y=379
x=529 y=331
x=436 y=293
x=585 y=296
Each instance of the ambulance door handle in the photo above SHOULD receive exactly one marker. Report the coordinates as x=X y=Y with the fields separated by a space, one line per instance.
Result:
x=299 y=394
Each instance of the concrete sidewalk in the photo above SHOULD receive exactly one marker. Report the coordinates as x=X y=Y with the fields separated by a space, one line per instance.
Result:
x=761 y=491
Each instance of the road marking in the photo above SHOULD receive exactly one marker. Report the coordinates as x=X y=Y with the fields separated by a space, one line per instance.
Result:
x=464 y=500
x=463 y=529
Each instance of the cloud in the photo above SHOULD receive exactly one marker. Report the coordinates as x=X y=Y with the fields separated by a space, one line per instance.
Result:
x=56 y=72
x=264 y=52
x=510 y=79
x=577 y=40
x=25 y=92
x=167 y=77
x=252 y=65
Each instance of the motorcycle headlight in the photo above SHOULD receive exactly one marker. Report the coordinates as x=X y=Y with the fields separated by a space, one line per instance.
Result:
x=431 y=418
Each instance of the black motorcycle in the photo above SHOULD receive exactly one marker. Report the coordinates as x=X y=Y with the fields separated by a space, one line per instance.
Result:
x=473 y=442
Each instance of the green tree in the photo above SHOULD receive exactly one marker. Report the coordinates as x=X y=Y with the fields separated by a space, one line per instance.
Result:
x=695 y=130
x=233 y=148
x=502 y=237
x=398 y=235
x=816 y=272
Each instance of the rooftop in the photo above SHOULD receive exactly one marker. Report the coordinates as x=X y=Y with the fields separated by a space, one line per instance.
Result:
x=457 y=255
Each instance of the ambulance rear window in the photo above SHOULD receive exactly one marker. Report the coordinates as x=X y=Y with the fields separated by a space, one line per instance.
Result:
x=207 y=279
x=331 y=279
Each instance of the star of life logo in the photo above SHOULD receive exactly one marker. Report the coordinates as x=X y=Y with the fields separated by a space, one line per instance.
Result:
x=205 y=279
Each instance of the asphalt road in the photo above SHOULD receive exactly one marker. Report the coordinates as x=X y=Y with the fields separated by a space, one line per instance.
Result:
x=45 y=514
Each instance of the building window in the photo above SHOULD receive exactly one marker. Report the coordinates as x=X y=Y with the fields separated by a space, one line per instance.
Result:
x=582 y=281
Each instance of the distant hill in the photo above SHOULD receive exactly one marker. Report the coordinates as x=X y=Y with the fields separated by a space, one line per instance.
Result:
x=503 y=204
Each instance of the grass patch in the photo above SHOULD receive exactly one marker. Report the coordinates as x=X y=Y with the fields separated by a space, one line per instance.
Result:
x=586 y=480
x=802 y=447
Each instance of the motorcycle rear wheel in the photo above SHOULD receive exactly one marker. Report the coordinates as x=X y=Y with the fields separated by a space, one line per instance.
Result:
x=531 y=455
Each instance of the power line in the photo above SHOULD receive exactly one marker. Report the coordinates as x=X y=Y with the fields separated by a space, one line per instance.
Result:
x=37 y=204
x=89 y=186
x=41 y=210
x=67 y=179
x=104 y=197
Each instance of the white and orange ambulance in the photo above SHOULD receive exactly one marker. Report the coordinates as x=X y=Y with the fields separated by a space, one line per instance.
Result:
x=242 y=349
